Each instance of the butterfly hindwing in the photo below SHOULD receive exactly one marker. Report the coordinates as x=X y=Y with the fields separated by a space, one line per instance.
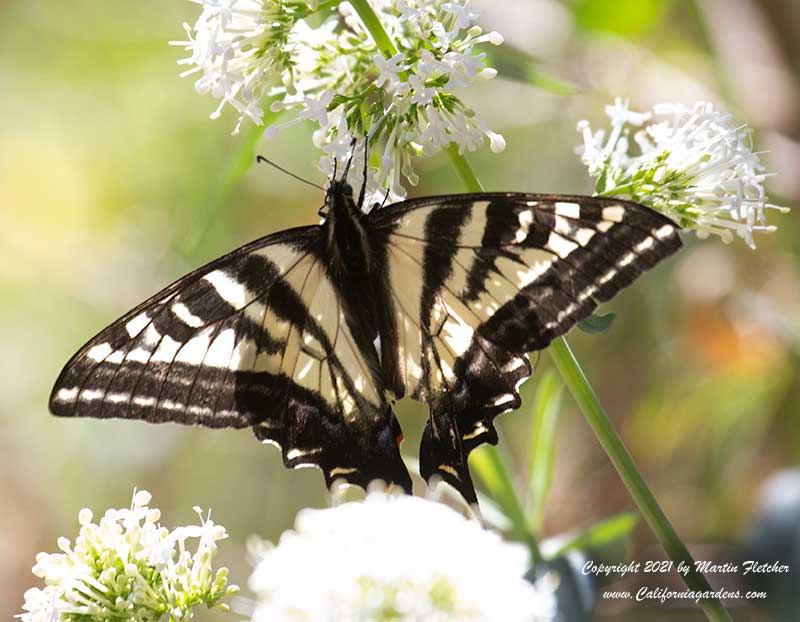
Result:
x=502 y=275
x=256 y=338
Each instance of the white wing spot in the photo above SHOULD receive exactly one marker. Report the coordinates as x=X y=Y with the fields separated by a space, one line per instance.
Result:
x=560 y=245
x=568 y=210
x=299 y=453
x=118 y=398
x=67 y=395
x=614 y=213
x=182 y=312
x=607 y=276
x=144 y=401
x=604 y=226
x=139 y=355
x=563 y=226
x=166 y=350
x=137 y=324
x=99 y=352
x=342 y=471
x=513 y=365
x=503 y=399
x=201 y=410
x=568 y=311
x=587 y=292
x=665 y=232
x=582 y=236
x=194 y=350
x=151 y=336
x=219 y=354
x=627 y=259
x=91 y=395
x=644 y=245
x=479 y=429
x=525 y=221
x=229 y=289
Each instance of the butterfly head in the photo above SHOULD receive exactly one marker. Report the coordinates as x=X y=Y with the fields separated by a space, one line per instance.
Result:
x=339 y=199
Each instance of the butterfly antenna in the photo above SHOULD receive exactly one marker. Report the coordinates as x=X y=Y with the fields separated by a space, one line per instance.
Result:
x=364 y=183
x=261 y=158
x=346 y=171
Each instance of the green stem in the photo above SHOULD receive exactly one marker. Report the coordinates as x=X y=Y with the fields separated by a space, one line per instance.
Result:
x=583 y=394
x=615 y=192
x=463 y=169
x=322 y=6
x=495 y=476
x=373 y=24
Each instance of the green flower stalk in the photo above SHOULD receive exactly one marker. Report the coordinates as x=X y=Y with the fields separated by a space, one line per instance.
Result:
x=128 y=567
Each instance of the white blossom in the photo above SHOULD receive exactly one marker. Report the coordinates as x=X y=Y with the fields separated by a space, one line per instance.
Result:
x=128 y=567
x=692 y=164
x=241 y=47
x=395 y=558
x=334 y=76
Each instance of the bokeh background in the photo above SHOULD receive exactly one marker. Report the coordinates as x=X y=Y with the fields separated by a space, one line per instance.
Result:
x=113 y=182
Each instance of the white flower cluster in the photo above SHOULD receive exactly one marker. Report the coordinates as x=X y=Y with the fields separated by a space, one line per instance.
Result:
x=692 y=164
x=128 y=567
x=241 y=48
x=395 y=558
x=335 y=75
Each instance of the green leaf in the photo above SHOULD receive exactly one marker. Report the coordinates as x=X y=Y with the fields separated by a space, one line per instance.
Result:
x=595 y=323
x=490 y=467
x=542 y=446
x=623 y=17
x=599 y=535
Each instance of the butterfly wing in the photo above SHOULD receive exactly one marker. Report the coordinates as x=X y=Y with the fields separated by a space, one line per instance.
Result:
x=502 y=275
x=256 y=338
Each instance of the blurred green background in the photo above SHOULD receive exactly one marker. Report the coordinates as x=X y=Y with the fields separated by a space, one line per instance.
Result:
x=113 y=182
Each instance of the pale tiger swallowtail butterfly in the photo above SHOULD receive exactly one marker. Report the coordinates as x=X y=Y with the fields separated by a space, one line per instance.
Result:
x=308 y=336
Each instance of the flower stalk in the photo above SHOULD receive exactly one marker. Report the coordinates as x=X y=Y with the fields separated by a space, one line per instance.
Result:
x=590 y=406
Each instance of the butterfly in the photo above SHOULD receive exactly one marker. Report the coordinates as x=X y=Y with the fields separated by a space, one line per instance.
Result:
x=310 y=335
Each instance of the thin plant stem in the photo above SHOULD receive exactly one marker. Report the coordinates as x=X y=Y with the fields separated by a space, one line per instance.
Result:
x=584 y=395
x=590 y=406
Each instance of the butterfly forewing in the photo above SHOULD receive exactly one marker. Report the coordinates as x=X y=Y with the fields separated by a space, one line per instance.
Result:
x=502 y=275
x=256 y=338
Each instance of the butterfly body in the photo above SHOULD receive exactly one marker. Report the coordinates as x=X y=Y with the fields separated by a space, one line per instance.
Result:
x=310 y=335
